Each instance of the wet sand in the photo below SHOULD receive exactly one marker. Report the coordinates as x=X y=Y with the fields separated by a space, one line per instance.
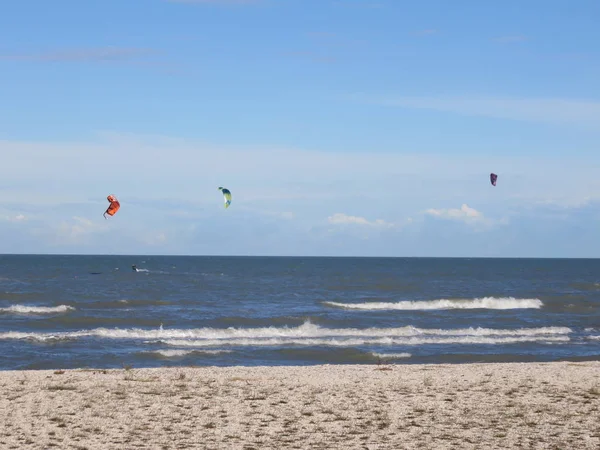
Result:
x=470 y=406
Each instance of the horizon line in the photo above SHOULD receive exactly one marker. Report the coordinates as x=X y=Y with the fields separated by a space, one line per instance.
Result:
x=295 y=256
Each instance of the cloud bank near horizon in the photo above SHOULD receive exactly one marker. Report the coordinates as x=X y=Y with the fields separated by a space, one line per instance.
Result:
x=285 y=200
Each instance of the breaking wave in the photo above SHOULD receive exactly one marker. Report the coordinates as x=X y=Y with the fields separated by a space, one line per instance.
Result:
x=22 y=309
x=181 y=353
x=309 y=334
x=391 y=355
x=476 y=303
x=364 y=340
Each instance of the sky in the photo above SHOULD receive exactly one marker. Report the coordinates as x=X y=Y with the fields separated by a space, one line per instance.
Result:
x=341 y=127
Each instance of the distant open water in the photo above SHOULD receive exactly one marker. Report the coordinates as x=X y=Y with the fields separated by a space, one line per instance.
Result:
x=94 y=311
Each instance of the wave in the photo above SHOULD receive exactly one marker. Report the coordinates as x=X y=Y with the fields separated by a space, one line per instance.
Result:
x=309 y=334
x=391 y=355
x=181 y=353
x=476 y=303
x=356 y=342
x=22 y=309
x=125 y=303
x=582 y=286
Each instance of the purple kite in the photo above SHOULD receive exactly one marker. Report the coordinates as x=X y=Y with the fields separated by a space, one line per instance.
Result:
x=493 y=178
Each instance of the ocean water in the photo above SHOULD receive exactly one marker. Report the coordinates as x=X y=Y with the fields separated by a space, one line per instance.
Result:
x=95 y=311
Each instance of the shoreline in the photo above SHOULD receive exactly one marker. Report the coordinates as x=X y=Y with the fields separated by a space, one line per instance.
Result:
x=477 y=405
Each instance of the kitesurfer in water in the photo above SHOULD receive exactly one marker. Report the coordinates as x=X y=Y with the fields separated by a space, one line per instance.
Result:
x=134 y=268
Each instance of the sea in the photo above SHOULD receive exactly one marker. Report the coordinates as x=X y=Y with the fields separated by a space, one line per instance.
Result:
x=61 y=312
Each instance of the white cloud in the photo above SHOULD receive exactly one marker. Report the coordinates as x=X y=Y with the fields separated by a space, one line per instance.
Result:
x=68 y=232
x=77 y=228
x=17 y=218
x=465 y=213
x=154 y=239
x=470 y=216
x=343 y=219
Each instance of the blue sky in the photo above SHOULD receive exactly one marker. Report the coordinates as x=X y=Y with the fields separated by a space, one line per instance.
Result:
x=342 y=127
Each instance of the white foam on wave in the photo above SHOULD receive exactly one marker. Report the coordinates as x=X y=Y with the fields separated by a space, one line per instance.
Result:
x=476 y=303
x=391 y=355
x=42 y=337
x=23 y=309
x=355 y=342
x=181 y=353
x=311 y=334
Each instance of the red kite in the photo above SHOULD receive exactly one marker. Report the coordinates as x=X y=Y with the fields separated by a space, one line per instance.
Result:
x=113 y=207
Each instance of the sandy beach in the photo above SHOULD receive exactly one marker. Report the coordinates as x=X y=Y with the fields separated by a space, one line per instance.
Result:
x=523 y=405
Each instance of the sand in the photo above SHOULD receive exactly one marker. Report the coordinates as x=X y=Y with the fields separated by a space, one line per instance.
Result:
x=478 y=406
